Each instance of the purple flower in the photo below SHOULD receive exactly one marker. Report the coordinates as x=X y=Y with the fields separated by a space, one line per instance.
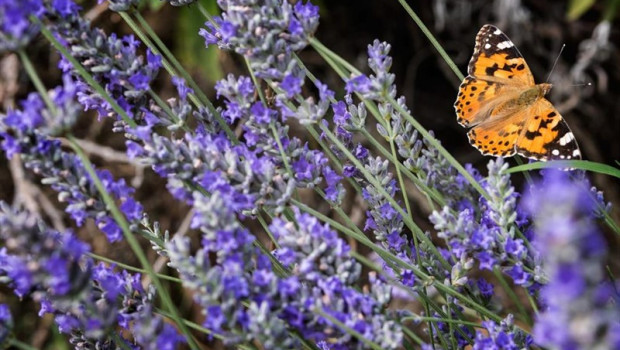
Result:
x=359 y=84
x=227 y=30
x=291 y=85
x=15 y=27
x=490 y=238
x=210 y=34
x=181 y=86
x=502 y=337
x=65 y=281
x=581 y=309
x=261 y=114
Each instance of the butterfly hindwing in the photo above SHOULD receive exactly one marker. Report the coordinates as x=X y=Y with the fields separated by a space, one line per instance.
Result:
x=547 y=135
x=498 y=138
x=497 y=58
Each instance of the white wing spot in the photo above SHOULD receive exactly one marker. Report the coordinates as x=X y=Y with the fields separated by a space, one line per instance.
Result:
x=576 y=153
x=555 y=152
x=568 y=137
x=487 y=46
x=504 y=45
x=497 y=32
x=562 y=156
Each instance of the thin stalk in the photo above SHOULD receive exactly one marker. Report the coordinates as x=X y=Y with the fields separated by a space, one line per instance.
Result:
x=38 y=84
x=19 y=344
x=511 y=294
x=131 y=268
x=432 y=39
x=413 y=336
x=444 y=320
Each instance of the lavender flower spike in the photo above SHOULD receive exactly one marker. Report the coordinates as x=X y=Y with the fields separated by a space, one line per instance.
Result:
x=582 y=308
x=16 y=30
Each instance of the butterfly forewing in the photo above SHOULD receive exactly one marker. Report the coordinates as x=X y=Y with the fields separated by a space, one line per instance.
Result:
x=497 y=58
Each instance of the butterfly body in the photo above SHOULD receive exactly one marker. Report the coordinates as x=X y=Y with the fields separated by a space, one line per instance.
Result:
x=507 y=112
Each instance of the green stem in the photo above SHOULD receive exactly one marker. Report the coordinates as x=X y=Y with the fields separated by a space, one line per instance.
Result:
x=131 y=268
x=38 y=84
x=513 y=296
x=19 y=344
x=432 y=39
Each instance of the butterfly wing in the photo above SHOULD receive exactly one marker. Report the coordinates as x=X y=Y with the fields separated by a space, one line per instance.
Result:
x=496 y=58
x=546 y=135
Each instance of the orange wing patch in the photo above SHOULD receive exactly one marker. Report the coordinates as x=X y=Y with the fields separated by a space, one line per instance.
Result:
x=498 y=138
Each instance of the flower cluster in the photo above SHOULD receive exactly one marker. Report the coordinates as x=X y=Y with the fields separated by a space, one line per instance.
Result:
x=113 y=62
x=267 y=33
x=502 y=336
x=581 y=306
x=29 y=132
x=486 y=230
x=245 y=299
x=16 y=29
x=87 y=301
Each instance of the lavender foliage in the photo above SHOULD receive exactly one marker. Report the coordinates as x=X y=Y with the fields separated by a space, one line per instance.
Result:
x=244 y=299
x=88 y=301
x=303 y=288
x=29 y=132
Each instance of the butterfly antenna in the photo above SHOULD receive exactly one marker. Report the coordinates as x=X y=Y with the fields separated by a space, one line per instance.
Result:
x=555 y=62
x=582 y=84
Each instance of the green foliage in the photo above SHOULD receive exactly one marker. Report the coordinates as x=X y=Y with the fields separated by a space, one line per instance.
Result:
x=190 y=47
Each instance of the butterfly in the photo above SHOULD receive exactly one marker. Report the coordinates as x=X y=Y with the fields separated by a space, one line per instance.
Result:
x=506 y=110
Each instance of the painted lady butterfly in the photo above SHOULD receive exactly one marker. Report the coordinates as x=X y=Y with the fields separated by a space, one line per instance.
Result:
x=507 y=111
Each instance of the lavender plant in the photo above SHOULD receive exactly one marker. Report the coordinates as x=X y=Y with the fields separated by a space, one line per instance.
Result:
x=88 y=301
x=265 y=267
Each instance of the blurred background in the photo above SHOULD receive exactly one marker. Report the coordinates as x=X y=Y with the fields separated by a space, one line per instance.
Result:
x=589 y=29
